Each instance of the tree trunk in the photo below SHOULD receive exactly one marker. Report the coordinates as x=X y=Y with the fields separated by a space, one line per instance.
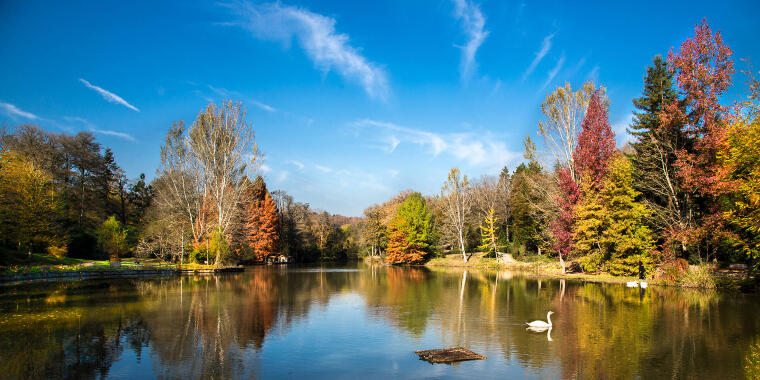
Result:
x=461 y=245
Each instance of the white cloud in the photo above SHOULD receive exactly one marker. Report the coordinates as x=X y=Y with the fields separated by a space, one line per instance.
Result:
x=92 y=128
x=265 y=168
x=621 y=130
x=125 y=136
x=473 y=22
x=324 y=169
x=297 y=164
x=107 y=95
x=234 y=95
x=263 y=106
x=14 y=112
x=282 y=176
x=478 y=149
x=594 y=74
x=546 y=45
x=316 y=34
x=553 y=72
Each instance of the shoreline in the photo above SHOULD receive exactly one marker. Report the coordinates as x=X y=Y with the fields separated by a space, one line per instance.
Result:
x=544 y=269
x=20 y=278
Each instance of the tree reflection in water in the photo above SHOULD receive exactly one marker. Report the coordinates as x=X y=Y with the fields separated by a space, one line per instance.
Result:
x=216 y=327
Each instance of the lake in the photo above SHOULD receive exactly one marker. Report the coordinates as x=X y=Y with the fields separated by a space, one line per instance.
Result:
x=362 y=321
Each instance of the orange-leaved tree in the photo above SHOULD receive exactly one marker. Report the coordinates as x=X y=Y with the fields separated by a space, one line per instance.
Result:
x=261 y=226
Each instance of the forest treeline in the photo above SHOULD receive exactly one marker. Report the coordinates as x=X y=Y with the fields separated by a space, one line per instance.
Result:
x=687 y=188
x=66 y=196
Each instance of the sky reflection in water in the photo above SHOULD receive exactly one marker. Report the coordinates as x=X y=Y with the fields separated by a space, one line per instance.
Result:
x=364 y=322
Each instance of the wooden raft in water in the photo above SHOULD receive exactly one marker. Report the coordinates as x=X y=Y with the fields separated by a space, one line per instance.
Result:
x=448 y=355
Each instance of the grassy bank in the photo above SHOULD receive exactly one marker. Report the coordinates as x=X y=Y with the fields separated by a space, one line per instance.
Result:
x=18 y=263
x=548 y=267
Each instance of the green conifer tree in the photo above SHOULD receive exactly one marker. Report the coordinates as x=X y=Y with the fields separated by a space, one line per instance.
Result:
x=626 y=238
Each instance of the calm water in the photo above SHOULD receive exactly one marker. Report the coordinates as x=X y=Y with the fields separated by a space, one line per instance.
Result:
x=364 y=322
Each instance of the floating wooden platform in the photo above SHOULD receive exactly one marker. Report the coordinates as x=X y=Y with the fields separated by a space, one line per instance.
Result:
x=448 y=355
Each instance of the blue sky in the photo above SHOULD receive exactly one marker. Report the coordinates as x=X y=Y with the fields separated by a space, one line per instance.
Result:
x=351 y=101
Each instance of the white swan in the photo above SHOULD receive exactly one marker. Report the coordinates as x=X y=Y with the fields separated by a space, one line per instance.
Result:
x=542 y=323
x=634 y=284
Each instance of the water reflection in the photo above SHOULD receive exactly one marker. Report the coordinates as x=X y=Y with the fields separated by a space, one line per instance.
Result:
x=274 y=322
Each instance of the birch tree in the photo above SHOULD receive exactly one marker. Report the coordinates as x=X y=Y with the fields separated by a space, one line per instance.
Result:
x=456 y=199
x=564 y=110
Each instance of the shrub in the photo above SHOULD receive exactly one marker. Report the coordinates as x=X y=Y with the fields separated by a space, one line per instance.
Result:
x=112 y=238
x=629 y=266
x=57 y=251
x=698 y=276
x=591 y=262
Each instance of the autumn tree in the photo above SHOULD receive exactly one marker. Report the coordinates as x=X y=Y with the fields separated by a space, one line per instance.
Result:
x=563 y=226
x=28 y=205
x=626 y=238
x=588 y=229
x=373 y=230
x=702 y=69
x=456 y=198
x=563 y=111
x=263 y=223
x=410 y=234
x=596 y=144
x=488 y=233
x=740 y=165
x=204 y=166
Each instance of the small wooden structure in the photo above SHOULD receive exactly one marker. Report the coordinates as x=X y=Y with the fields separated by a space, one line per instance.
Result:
x=448 y=355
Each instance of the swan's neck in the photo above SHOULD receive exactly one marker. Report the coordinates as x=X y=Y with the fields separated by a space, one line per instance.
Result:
x=549 y=318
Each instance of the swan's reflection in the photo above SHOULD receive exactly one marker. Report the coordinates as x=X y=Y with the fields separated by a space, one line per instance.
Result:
x=542 y=329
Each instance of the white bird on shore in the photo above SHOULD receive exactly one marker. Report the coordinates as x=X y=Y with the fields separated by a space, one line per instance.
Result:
x=632 y=284
x=542 y=323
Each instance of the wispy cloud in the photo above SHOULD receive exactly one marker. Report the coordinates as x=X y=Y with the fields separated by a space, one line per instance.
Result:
x=479 y=148
x=316 y=34
x=469 y=15
x=125 y=136
x=108 y=95
x=227 y=94
x=324 y=169
x=15 y=112
x=546 y=45
x=92 y=128
x=553 y=72
x=297 y=164
x=594 y=74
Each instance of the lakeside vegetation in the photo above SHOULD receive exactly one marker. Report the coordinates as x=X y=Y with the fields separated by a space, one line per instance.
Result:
x=683 y=197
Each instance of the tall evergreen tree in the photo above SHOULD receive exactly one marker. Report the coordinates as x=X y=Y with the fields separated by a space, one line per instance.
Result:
x=657 y=141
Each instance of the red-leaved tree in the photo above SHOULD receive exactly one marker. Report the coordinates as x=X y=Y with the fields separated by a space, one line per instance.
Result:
x=702 y=69
x=596 y=144
x=562 y=227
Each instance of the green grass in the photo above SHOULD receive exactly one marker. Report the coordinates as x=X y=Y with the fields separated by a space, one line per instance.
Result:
x=13 y=262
